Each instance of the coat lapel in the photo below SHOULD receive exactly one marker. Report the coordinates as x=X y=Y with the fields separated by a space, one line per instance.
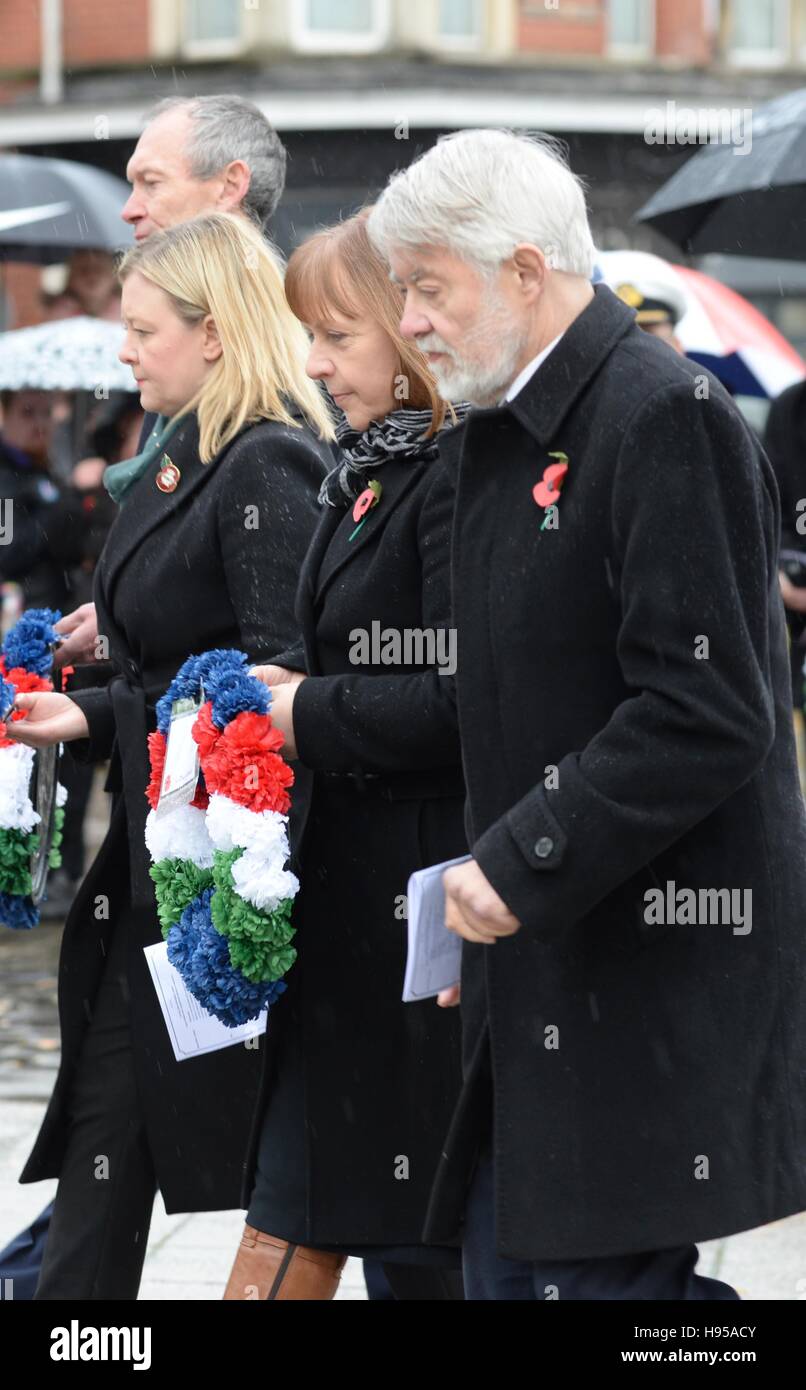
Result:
x=306 y=617
x=397 y=478
x=146 y=507
x=549 y=395
x=556 y=386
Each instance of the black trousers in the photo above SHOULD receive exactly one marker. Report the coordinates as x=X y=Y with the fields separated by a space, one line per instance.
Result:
x=99 y=1229
x=654 y=1276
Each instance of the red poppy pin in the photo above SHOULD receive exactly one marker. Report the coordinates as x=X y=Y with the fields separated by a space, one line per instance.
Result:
x=547 y=492
x=368 y=499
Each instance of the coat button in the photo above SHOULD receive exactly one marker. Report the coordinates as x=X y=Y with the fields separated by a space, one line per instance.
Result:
x=544 y=847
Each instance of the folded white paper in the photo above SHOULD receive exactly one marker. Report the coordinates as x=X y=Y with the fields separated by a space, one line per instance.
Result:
x=191 y=1029
x=434 y=960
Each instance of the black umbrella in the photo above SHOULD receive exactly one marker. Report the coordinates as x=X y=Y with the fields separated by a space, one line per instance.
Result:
x=746 y=198
x=50 y=207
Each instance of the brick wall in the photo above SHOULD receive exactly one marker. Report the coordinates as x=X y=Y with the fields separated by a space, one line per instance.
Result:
x=680 y=32
x=575 y=26
x=580 y=27
x=93 y=32
x=105 y=31
x=19 y=34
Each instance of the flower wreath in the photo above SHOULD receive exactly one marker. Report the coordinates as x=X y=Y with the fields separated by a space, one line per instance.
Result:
x=224 y=895
x=26 y=661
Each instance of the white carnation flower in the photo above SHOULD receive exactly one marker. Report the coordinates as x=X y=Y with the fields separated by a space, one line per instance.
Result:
x=182 y=834
x=263 y=884
x=231 y=825
x=16 y=808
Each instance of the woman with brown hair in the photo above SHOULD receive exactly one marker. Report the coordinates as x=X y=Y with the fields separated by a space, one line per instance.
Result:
x=357 y=1086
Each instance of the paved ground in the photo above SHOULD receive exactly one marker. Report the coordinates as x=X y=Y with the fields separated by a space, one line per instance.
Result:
x=189 y=1257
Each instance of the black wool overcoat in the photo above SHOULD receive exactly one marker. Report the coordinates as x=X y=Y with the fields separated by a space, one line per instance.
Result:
x=624 y=710
x=359 y=1087
x=213 y=564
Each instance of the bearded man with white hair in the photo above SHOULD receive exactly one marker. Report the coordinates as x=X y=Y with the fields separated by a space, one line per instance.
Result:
x=633 y=984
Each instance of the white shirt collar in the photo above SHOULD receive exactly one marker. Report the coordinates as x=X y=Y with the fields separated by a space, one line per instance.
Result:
x=529 y=371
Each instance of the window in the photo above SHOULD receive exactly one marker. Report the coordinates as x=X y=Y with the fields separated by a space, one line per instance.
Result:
x=332 y=26
x=213 y=26
x=758 y=32
x=460 y=22
x=631 y=28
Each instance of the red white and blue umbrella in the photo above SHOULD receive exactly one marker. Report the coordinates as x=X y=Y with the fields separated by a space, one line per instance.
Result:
x=719 y=328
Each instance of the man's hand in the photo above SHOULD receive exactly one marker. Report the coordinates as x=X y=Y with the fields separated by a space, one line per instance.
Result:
x=81 y=631
x=449 y=997
x=473 y=909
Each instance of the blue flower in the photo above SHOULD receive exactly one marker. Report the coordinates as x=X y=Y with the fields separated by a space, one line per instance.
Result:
x=18 y=912
x=223 y=675
x=7 y=697
x=31 y=641
x=201 y=955
x=235 y=694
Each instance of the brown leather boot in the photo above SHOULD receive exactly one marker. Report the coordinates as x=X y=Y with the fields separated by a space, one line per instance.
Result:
x=268 y=1268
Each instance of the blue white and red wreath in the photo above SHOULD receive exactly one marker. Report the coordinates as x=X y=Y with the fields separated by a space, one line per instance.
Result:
x=224 y=893
x=26 y=661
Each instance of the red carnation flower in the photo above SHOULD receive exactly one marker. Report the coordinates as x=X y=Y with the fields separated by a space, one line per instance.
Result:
x=23 y=682
x=251 y=730
x=26 y=681
x=249 y=776
x=157 y=744
x=204 y=731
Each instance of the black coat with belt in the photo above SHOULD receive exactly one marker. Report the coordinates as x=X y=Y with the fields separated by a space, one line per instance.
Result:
x=359 y=1087
x=213 y=564
x=624 y=709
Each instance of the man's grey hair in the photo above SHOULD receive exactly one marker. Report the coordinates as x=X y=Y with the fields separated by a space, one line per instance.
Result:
x=478 y=193
x=225 y=128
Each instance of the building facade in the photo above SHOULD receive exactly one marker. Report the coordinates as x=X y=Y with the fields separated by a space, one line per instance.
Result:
x=358 y=88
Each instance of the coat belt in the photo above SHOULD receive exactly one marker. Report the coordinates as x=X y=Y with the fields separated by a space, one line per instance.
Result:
x=131 y=721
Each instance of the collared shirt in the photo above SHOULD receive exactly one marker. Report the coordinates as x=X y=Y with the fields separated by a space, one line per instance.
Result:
x=529 y=371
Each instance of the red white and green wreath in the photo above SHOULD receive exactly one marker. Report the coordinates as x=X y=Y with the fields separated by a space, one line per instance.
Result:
x=219 y=863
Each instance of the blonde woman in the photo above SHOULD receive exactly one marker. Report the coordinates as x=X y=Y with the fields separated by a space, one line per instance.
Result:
x=215 y=519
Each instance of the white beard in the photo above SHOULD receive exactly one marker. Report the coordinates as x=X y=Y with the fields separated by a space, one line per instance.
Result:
x=489 y=362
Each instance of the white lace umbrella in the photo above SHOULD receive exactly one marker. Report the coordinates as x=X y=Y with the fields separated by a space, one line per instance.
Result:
x=76 y=354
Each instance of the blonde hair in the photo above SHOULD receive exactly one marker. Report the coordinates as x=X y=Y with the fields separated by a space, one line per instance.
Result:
x=220 y=264
x=339 y=269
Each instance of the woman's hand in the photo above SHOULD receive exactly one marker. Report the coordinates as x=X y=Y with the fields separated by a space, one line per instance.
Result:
x=88 y=474
x=448 y=998
x=793 y=597
x=282 y=707
x=80 y=630
x=276 y=675
x=50 y=718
